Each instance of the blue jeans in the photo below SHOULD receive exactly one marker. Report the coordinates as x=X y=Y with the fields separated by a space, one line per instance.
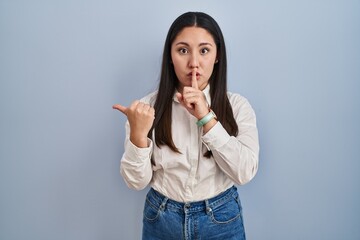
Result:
x=217 y=218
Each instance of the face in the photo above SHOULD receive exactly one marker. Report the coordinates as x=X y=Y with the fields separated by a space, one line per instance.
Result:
x=193 y=48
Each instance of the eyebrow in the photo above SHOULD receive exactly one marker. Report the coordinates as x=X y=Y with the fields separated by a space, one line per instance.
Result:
x=186 y=44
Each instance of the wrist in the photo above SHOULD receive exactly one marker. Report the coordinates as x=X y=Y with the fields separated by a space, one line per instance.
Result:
x=139 y=141
x=207 y=118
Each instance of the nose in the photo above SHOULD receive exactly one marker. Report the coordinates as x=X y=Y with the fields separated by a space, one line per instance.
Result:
x=194 y=61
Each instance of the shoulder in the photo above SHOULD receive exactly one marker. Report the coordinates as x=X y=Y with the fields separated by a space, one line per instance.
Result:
x=236 y=99
x=150 y=98
x=239 y=103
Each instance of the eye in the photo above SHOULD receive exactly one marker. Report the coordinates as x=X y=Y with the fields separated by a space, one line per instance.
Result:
x=204 y=51
x=183 y=51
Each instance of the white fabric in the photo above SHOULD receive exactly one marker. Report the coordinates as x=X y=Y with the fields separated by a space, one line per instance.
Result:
x=190 y=176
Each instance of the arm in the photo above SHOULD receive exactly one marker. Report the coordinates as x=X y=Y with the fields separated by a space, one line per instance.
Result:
x=238 y=156
x=135 y=166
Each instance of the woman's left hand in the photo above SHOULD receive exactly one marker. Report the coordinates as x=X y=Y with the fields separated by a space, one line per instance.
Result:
x=193 y=99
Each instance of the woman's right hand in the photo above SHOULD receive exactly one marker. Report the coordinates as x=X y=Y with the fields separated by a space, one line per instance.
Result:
x=141 y=117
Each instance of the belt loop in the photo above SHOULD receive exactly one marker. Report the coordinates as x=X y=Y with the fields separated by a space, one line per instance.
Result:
x=163 y=203
x=208 y=208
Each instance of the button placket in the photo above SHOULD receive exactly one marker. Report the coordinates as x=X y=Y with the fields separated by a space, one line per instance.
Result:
x=208 y=208
x=186 y=207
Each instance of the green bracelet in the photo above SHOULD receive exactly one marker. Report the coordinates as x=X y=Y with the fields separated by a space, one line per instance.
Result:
x=208 y=117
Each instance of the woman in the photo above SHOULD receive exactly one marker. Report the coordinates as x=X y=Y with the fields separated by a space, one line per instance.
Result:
x=191 y=140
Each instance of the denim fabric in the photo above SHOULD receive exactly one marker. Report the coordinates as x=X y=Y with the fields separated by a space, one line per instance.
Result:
x=216 y=218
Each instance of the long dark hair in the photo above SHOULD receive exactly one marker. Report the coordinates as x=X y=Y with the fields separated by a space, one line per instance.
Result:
x=168 y=81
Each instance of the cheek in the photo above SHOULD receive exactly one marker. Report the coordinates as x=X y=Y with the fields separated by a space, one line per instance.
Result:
x=176 y=62
x=209 y=68
x=177 y=67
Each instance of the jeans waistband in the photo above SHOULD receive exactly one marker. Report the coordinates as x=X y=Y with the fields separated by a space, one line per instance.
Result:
x=159 y=199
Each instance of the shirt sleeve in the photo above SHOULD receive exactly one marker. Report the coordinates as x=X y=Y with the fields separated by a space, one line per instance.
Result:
x=237 y=157
x=135 y=165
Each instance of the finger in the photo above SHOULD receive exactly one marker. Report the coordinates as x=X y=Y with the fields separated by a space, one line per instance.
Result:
x=152 y=110
x=133 y=106
x=179 y=97
x=120 y=108
x=181 y=100
x=146 y=107
x=194 y=82
x=189 y=102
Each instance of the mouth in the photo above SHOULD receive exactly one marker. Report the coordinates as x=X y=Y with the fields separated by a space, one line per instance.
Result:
x=197 y=75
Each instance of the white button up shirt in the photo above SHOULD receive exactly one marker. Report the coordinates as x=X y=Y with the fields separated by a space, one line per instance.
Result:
x=190 y=176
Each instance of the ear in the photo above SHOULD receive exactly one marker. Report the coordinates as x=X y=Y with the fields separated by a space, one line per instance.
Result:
x=216 y=61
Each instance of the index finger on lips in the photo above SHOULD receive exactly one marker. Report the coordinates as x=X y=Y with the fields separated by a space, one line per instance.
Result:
x=194 y=82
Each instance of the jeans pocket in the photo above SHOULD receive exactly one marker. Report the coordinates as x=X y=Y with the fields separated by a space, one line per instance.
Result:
x=151 y=212
x=227 y=212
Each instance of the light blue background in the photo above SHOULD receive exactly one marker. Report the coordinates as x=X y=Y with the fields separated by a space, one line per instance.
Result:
x=63 y=64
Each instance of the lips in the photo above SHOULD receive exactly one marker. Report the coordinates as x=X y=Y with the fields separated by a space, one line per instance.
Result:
x=190 y=74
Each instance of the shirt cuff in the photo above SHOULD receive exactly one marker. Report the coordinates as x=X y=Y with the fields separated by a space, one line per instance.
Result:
x=139 y=154
x=216 y=137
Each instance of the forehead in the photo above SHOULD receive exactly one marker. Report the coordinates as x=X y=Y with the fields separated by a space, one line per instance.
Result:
x=194 y=35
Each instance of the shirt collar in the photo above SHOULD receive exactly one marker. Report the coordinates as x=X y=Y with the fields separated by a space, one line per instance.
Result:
x=206 y=92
